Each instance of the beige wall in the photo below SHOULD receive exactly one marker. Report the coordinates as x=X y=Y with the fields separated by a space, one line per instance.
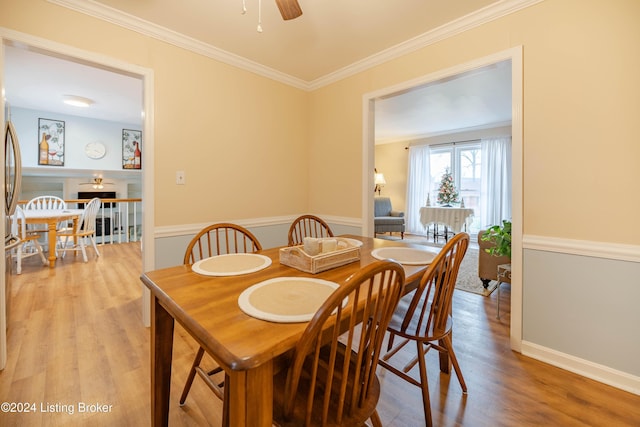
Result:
x=581 y=109
x=393 y=161
x=240 y=138
x=254 y=148
x=303 y=152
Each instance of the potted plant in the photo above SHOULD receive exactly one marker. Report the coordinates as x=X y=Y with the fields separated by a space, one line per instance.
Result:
x=500 y=235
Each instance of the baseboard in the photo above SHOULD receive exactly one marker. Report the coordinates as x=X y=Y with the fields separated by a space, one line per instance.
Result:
x=585 y=368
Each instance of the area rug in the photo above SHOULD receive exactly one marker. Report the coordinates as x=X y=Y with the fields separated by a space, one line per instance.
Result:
x=468 y=279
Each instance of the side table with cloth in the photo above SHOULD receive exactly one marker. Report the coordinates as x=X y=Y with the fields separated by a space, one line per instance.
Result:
x=450 y=217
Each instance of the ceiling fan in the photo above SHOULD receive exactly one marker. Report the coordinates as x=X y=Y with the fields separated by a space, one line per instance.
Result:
x=289 y=9
x=97 y=183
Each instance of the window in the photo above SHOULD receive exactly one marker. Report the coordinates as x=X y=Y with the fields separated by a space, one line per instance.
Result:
x=464 y=160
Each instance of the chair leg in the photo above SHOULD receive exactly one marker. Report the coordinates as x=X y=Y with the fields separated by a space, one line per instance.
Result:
x=63 y=248
x=95 y=247
x=448 y=344
x=19 y=260
x=40 y=252
x=192 y=375
x=424 y=385
x=83 y=249
x=375 y=419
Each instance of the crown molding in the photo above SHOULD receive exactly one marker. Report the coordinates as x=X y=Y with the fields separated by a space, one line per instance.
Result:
x=460 y=25
x=133 y=23
x=125 y=20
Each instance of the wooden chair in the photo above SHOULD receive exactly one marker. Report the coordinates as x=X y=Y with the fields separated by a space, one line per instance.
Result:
x=48 y=203
x=424 y=316
x=332 y=380
x=29 y=245
x=219 y=239
x=308 y=226
x=84 y=233
x=216 y=239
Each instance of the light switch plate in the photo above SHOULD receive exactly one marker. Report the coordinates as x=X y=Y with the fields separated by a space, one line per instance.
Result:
x=180 y=178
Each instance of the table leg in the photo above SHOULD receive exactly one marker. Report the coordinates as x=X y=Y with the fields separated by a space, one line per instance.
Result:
x=250 y=397
x=53 y=240
x=161 y=352
x=75 y=227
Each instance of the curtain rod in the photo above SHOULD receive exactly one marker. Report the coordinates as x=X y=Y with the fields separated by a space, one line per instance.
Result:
x=446 y=143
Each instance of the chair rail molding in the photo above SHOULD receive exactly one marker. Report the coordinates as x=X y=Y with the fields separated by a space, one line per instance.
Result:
x=615 y=251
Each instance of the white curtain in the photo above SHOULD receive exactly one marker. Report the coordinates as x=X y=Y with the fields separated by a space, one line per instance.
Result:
x=417 y=187
x=495 y=195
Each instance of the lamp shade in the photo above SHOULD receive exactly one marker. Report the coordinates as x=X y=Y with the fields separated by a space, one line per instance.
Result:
x=379 y=179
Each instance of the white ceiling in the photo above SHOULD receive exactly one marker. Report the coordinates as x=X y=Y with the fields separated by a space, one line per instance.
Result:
x=330 y=36
x=39 y=82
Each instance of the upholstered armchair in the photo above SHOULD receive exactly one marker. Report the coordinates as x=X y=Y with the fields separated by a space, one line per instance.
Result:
x=385 y=218
x=487 y=263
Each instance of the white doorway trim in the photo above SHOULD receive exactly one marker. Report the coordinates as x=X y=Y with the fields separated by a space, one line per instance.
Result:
x=100 y=61
x=368 y=123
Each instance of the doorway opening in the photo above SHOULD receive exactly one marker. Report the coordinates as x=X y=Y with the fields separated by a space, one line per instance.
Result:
x=513 y=55
x=90 y=59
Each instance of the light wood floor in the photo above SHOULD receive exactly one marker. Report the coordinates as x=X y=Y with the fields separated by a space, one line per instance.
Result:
x=76 y=337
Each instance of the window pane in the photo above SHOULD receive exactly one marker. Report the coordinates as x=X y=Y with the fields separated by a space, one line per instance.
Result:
x=469 y=186
x=440 y=161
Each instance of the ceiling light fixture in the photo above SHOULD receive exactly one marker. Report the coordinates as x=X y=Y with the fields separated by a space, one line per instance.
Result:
x=244 y=12
x=77 y=101
x=97 y=183
x=289 y=9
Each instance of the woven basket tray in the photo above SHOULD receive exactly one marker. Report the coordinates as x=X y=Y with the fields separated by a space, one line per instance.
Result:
x=296 y=257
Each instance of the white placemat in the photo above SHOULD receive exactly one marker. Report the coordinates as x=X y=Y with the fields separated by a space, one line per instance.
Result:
x=409 y=256
x=231 y=264
x=286 y=299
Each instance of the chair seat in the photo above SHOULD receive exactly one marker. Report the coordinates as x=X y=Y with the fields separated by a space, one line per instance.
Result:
x=389 y=220
x=84 y=234
x=411 y=331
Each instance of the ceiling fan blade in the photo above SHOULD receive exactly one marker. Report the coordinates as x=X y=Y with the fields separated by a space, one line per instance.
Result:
x=289 y=9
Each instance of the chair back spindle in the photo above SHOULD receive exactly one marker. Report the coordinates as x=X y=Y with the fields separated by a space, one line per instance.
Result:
x=307 y=226
x=332 y=378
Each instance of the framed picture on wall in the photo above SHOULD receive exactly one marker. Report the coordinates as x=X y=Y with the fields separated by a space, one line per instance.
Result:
x=131 y=149
x=50 y=142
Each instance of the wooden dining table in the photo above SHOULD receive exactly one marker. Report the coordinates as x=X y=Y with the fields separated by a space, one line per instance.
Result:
x=51 y=217
x=249 y=350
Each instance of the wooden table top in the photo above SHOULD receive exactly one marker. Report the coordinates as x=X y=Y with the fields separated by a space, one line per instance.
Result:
x=208 y=306
x=45 y=215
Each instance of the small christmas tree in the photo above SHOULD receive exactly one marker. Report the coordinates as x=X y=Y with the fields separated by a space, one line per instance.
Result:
x=447 y=193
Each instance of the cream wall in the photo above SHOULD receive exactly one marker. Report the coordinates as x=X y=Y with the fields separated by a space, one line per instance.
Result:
x=296 y=151
x=392 y=160
x=581 y=62
x=239 y=137
x=580 y=114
